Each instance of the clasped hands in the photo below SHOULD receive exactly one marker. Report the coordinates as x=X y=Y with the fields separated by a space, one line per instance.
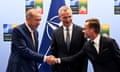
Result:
x=52 y=60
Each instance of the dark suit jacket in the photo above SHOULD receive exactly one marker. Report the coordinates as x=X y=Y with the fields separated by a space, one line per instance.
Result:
x=108 y=59
x=23 y=55
x=58 y=49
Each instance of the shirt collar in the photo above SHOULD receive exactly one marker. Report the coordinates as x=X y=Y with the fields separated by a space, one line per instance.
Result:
x=96 y=40
x=70 y=27
x=28 y=27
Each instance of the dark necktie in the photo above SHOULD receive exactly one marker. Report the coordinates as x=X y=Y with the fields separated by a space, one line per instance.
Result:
x=68 y=39
x=92 y=42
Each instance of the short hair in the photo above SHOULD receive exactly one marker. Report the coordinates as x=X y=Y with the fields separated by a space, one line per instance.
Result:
x=64 y=8
x=94 y=23
x=29 y=12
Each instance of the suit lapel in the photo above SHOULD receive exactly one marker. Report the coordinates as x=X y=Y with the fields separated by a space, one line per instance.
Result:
x=92 y=48
x=73 y=35
x=36 y=39
x=28 y=35
x=61 y=36
x=101 y=44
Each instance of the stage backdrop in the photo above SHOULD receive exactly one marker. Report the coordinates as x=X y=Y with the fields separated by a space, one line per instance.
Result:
x=12 y=13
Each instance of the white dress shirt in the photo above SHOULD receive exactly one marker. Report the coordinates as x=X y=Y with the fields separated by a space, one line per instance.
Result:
x=97 y=43
x=65 y=31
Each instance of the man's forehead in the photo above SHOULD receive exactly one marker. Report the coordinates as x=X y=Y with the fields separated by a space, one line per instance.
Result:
x=86 y=23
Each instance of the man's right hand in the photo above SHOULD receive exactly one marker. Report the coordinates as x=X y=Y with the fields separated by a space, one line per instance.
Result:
x=51 y=60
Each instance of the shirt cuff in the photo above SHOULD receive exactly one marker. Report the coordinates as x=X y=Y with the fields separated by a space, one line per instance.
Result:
x=59 y=61
x=44 y=60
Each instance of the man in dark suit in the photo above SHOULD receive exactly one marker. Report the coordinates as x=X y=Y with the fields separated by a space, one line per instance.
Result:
x=63 y=47
x=102 y=51
x=24 y=55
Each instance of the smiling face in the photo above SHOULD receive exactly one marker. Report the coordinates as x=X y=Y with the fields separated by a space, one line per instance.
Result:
x=65 y=16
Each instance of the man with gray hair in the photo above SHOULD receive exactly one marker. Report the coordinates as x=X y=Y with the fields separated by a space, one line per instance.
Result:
x=24 y=49
x=67 y=41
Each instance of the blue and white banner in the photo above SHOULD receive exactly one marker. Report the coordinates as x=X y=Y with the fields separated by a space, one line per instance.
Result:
x=51 y=24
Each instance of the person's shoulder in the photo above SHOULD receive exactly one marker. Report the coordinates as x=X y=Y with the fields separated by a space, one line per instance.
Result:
x=58 y=29
x=108 y=39
x=19 y=27
x=77 y=27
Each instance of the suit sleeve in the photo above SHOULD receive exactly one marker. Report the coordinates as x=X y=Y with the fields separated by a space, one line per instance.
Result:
x=53 y=49
x=75 y=57
x=116 y=50
x=21 y=48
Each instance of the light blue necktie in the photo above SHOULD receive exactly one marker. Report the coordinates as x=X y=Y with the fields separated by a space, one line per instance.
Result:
x=90 y=67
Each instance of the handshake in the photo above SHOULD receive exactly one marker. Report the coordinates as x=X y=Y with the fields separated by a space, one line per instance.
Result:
x=52 y=60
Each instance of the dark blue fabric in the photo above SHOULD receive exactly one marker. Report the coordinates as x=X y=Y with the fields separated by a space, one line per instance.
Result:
x=46 y=40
